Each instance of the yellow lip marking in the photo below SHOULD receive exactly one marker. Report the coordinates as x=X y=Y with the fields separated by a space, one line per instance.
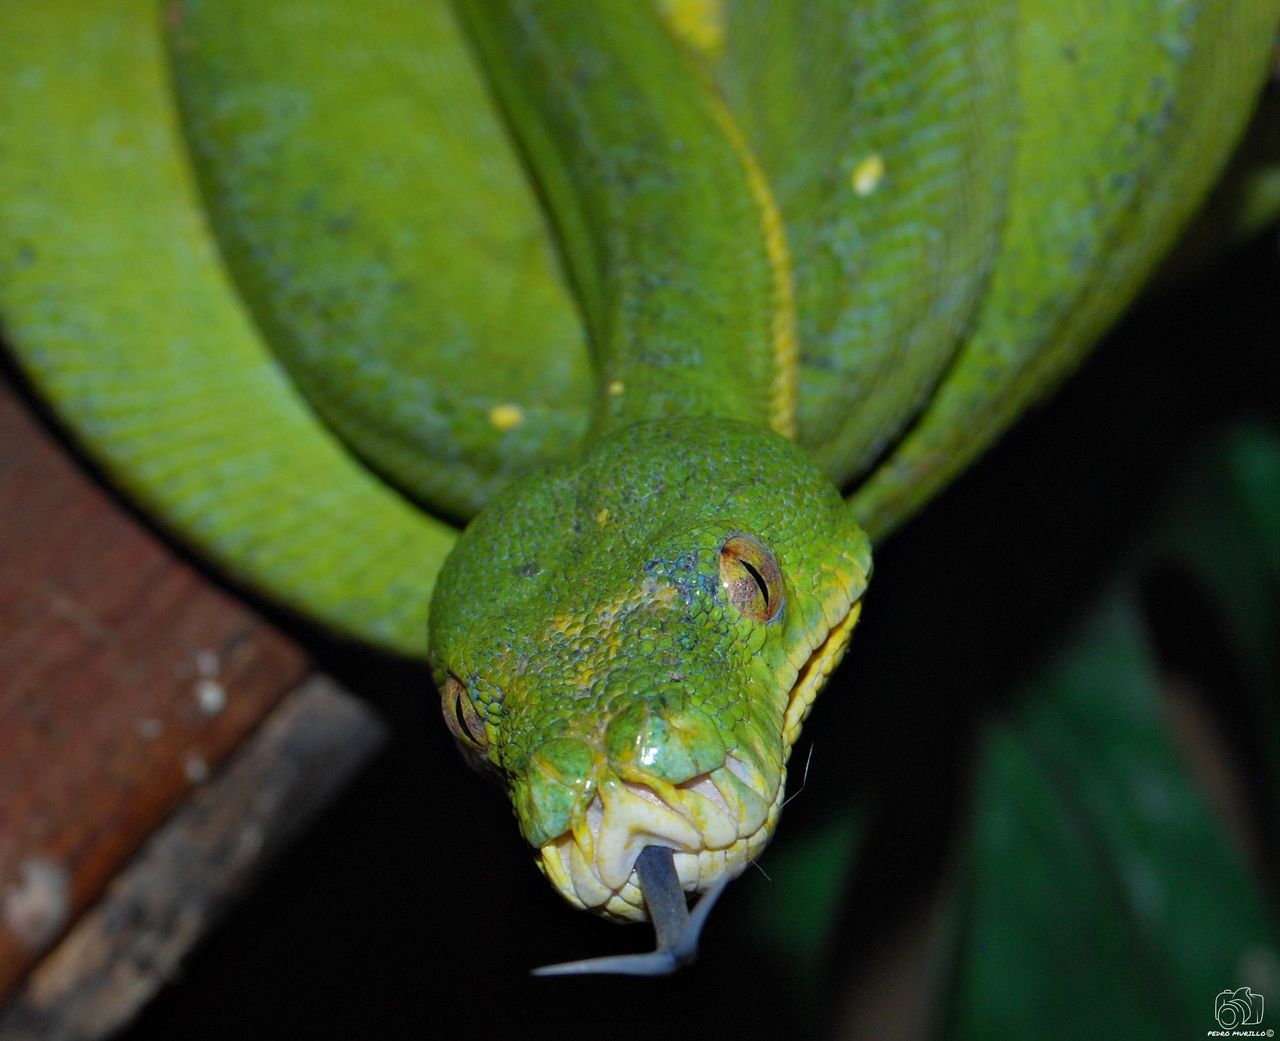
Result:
x=815 y=673
x=592 y=865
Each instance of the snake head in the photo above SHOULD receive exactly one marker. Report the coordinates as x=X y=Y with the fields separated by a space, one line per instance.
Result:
x=633 y=639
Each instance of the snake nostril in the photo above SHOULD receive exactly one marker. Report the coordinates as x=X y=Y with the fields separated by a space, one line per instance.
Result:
x=671 y=742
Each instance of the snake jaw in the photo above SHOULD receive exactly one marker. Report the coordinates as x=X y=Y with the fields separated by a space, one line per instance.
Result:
x=716 y=824
x=812 y=674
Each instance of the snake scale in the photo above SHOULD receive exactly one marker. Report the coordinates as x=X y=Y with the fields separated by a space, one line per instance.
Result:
x=676 y=301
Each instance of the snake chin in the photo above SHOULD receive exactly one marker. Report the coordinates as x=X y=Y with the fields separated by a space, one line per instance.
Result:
x=716 y=823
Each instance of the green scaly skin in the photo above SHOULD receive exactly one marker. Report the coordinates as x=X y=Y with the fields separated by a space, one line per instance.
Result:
x=1100 y=190
x=278 y=256
x=886 y=280
x=621 y=694
x=376 y=307
x=613 y=725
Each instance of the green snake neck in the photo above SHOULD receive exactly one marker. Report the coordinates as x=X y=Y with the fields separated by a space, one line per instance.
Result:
x=668 y=227
x=656 y=614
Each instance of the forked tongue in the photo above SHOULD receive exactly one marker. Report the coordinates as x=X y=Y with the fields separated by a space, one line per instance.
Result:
x=677 y=930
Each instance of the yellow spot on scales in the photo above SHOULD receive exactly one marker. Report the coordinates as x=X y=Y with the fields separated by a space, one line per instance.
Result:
x=698 y=24
x=867 y=175
x=602 y=518
x=506 y=416
x=615 y=388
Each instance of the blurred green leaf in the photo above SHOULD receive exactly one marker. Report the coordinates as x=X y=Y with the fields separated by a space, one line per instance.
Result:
x=1101 y=894
x=808 y=875
x=1253 y=459
x=1223 y=537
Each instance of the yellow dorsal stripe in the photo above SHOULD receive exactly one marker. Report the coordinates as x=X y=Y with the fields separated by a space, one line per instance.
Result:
x=782 y=390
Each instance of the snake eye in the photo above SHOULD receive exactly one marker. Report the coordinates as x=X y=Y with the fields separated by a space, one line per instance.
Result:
x=751 y=578
x=461 y=717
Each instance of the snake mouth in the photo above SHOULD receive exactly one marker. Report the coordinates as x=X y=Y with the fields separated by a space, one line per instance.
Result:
x=816 y=665
x=716 y=823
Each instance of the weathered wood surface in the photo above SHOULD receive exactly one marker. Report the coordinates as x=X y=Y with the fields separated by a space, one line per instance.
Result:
x=125 y=948
x=125 y=680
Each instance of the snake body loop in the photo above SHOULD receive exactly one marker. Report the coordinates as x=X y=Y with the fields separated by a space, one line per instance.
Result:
x=643 y=292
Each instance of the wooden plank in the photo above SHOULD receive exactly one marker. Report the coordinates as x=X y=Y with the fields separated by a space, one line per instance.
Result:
x=124 y=950
x=125 y=679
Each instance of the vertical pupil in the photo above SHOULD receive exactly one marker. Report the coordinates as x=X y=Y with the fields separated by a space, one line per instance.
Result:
x=461 y=717
x=759 y=580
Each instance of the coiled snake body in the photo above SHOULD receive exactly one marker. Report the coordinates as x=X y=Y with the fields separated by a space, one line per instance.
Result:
x=640 y=288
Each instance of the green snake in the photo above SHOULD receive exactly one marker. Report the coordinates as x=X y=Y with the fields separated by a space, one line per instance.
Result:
x=674 y=302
